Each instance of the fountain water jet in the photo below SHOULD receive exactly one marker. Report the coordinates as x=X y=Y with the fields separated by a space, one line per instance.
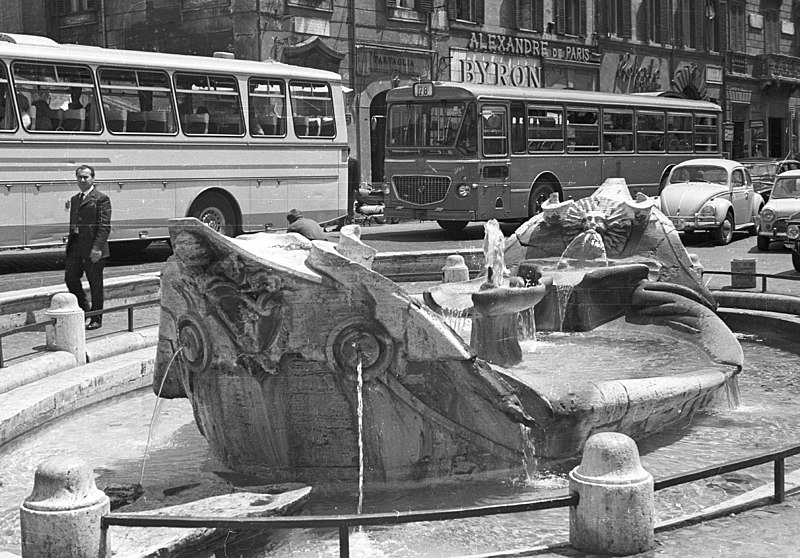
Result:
x=269 y=321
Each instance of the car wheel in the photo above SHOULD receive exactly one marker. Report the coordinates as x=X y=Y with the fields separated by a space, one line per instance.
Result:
x=762 y=243
x=724 y=233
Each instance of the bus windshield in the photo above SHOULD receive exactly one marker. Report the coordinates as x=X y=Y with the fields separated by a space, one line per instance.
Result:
x=430 y=125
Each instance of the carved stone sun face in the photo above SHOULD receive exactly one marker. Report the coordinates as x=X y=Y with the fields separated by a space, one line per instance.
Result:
x=595 y=220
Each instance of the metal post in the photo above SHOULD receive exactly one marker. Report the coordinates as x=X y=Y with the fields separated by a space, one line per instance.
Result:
x=780 y=489
x=763 y=283
x=130 y=318
x=344 y=541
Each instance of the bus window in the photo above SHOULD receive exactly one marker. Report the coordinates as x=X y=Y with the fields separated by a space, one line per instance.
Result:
x=545 y=129
x=312 y=109
x=267 y=107
x=649 y=131
x=136 y=101
x=494 y=131
x=618 y=130
x=583 y=130
x=60 y=97
x=8 y=119
x=705 y=133
x=518 y=128
x=209 y=104
x=679 y=132
x=468 y=137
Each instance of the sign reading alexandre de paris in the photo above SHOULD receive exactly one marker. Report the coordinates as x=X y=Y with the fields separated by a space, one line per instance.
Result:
x=506 y=44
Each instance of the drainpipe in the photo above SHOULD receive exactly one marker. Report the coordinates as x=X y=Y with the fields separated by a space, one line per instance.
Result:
x=351 y=6
x=103 y=31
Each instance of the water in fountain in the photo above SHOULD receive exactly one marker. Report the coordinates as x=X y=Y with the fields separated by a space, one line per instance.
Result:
x=768 y=419
x=563 y=291
x=156 y=411
x=494 y=254
x=527 y=325
x=459 y=320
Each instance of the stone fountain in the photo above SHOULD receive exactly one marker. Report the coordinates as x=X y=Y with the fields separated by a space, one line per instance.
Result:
x=270 y=330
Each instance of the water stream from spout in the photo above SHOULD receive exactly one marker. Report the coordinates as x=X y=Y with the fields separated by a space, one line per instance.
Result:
x=459 y=320
x=156 y=410
x=563 y=292
x=360 y=407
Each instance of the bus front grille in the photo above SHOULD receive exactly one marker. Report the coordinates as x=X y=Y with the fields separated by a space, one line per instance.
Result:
x=421 y=189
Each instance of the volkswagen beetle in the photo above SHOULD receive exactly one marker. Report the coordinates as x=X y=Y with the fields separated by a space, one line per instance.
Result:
x=713 y=195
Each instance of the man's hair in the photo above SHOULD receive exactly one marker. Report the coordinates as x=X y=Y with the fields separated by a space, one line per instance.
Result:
x=293 y=215
x=87 y=167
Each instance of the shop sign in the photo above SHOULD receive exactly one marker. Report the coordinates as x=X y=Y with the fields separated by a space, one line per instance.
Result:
x=386 y=62
x=519 y=46
x=756 y=123
x=484 y=68
x=727 y=130
x=636 y=74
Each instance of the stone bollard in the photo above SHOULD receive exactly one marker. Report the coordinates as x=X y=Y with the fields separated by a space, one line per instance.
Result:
x=69 y=331
x=62 y=515
x=455 y=270
x=615 y=511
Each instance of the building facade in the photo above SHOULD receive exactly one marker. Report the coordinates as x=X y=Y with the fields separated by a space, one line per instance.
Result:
x=742 y=54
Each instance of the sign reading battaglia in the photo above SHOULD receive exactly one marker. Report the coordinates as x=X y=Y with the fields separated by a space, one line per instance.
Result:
x=519 y=46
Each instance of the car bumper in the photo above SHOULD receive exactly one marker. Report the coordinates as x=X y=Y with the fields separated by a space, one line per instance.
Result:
x=694 y=222
x=429 y=214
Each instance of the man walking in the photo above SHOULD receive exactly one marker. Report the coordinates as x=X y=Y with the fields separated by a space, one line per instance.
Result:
x=87 y=246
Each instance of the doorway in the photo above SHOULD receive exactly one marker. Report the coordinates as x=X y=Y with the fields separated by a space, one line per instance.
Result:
x=775 y=140
x=377 y=136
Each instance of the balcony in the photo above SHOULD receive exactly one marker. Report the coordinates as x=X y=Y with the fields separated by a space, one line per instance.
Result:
x=777 y=69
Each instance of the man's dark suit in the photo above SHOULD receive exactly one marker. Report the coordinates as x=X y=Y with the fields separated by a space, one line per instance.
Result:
x=89 y=227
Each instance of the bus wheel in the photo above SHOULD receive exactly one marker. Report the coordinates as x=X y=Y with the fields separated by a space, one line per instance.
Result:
x=215 y=211
x=453 y=226
x=540 y=194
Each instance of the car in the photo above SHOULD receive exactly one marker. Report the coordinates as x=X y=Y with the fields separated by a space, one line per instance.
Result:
x=774 y=216
x=793 y=238
x=764 y=170
x=713 y=195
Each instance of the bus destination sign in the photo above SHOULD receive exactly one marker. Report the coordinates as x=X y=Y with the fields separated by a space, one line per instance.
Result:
x=423 y=89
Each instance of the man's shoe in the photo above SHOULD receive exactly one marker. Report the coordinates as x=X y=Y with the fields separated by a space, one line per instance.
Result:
x=94 y=325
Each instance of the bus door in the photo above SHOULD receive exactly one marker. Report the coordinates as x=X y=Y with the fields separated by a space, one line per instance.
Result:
x=495 y=195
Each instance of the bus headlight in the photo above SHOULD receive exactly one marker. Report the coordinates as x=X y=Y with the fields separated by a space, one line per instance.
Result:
x=386 y=189
x=708 y=210
x=767 y=215
x=793 y=232
x=462 y=190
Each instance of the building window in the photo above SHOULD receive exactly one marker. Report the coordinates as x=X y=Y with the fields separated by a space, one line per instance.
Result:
x=772 y=32
x=326 y=5
x=712 y=23
x=530 y=14
x=66 y=7
x=658 y=19
x=614 y=18
x=408 y=10
x=738 y=29
x=466 y=10
x=571 y=17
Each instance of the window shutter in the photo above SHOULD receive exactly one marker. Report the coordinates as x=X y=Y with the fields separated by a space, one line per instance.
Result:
x=722 y=26
x=518 y=14
x=451 y=9
x=61 y=6
x=699 y=26
x=538 y=15
x=601 y=17
x=582 y=27
x=561 y=27
x=391 y=4
x=425 y=6
x=479 y=11
x=627 y=26
x=666 y=17
x=91 y=5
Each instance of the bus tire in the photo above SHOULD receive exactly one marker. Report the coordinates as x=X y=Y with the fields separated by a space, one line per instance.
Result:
x=127 y=249
x=541 y=193
x=214 y=210
x=724 y=233
x=452 y=226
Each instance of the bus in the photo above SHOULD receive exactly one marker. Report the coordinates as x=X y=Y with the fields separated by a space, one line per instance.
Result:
x=234 y=143
x=458 y=153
